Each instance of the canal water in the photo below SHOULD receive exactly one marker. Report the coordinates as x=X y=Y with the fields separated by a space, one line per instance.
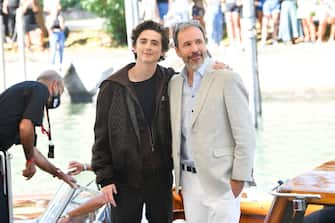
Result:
x=293 y=137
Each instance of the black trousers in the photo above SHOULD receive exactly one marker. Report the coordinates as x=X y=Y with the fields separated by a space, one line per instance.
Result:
x=5 y=22
x=11 y=22
x=155 y=193
x=4 y=205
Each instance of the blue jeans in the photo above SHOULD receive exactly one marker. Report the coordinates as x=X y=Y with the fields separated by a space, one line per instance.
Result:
x=163 y=9
x=270 y=7
x=56 y=41
x=289 y=26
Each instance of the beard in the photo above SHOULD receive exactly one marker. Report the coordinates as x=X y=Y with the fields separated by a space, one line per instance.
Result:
x=190 y=64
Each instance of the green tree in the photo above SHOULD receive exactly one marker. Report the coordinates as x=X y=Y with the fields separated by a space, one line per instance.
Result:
x=70 y=4
x=113 y=11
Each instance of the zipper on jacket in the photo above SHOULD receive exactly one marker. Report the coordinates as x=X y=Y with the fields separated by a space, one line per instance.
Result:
x=149 y=127
x=152 y=141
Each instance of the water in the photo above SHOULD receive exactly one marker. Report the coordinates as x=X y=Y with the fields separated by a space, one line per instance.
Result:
x=72 y=132
x=294 y=137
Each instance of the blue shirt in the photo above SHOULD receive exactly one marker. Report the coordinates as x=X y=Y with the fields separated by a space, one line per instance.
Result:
x=189 y=96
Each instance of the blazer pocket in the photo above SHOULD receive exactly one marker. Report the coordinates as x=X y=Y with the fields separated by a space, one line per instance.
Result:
x=223 y=152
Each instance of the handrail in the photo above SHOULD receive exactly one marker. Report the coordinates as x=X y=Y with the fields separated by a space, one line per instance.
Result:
x=7 y=183
x=295 y=195
x=277 y=193
x=3 y=168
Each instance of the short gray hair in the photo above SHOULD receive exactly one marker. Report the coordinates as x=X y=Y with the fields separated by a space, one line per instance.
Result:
x=51 y=75
x=184 y=25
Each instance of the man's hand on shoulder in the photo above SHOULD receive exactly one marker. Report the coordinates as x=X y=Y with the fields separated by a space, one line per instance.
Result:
x=220 y=65
x=108 y=192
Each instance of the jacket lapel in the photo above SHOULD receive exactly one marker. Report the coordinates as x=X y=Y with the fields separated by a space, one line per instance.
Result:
x=176 y=101
x=203 y=91
x=176 y=90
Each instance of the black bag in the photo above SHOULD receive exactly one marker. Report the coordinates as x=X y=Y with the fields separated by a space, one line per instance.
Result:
x=66 y=32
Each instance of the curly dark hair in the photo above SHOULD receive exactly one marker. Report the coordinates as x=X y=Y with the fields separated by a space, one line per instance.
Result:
x=151 y=25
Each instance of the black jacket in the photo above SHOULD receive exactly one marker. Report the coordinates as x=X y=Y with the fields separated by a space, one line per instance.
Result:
x=124 y=151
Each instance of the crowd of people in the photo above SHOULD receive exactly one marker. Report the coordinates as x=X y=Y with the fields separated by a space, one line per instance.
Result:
x=288 y=21
x=171 y=12
x=297 y=20
x=36 y=18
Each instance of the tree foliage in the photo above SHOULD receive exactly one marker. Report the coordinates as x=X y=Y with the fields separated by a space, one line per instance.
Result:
x=71 y=4
x=113 y=11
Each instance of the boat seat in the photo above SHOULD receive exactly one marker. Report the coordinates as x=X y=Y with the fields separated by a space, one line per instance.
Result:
x=317 y=182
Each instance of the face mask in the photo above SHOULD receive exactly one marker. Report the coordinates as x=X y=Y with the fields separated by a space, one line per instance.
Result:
x=55 y=102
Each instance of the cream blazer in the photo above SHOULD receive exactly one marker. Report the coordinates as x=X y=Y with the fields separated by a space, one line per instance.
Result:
x=223 y=136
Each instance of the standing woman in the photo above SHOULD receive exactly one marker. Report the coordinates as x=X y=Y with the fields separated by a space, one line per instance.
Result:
x=290 y=30
x=306 y=12
x=214 y=22
x=198 y=11
x=150 y=10
x=30 y=8
x=233 y=18
x=56 y=26
x=163 y=7
x=326 y=15
x=9 y=9
x=259 y=12
x=271 y=13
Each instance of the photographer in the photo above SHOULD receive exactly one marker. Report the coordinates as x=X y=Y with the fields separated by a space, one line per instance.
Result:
x=21 y=110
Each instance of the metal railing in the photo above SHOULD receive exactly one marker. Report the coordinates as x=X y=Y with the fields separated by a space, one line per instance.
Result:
x=7 y=183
